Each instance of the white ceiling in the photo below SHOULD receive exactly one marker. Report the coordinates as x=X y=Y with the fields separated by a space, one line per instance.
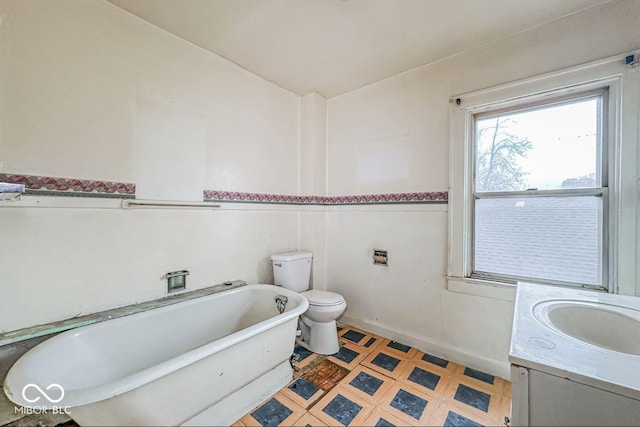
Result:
x=334 y=46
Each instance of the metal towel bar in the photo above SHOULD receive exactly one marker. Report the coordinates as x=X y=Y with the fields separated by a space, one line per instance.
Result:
x=133 y=204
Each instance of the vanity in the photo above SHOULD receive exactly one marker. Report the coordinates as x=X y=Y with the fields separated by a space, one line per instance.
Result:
x=575 y=358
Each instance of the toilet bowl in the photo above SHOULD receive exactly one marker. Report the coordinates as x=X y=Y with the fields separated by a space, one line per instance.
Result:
x=319 y=332
x=292 y=270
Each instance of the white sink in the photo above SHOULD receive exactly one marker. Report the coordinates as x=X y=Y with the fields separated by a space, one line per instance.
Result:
x=602 y=325
x=588 y=337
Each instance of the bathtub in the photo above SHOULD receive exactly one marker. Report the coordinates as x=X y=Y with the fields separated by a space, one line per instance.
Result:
x=203 y=361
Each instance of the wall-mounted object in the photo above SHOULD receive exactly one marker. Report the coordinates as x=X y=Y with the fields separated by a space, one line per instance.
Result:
x=177 y=280
x=380 y=257
x=632 y=62
x=11 y=191
x=134 y=204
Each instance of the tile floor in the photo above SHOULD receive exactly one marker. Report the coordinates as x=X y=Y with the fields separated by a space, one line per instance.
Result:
x=373 y=381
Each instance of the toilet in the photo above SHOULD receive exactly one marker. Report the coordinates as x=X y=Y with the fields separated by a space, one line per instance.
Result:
x=292 y=270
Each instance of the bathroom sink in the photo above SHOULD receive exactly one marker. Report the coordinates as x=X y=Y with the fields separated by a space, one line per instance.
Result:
x=602 y=325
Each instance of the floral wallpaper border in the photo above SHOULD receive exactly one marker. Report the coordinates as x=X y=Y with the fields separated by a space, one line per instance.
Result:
x=71 y=187
x=391 y=198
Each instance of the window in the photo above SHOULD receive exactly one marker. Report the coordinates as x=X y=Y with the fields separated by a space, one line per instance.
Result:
x=540 y=192
x=543 y=182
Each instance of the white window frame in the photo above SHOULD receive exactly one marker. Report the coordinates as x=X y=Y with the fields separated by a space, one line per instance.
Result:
x=620 y=130
x=602 y=95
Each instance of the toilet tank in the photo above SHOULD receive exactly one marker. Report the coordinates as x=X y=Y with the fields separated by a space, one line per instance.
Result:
x=292 y=270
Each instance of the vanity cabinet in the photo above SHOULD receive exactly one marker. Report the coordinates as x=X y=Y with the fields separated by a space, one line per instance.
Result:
x=541 y=399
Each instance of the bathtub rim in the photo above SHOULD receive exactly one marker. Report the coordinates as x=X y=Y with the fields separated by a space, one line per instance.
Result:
x=14 y=381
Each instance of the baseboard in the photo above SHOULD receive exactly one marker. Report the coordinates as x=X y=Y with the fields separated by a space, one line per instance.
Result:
x=437 y=348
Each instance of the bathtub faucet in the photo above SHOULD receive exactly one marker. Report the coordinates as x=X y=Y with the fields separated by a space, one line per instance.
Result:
x=281 y=302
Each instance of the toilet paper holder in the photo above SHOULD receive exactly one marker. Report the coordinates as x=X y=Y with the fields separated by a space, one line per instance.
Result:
x=380 y=257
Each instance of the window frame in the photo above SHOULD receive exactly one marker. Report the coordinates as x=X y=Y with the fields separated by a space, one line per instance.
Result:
x=602 y=95
x=620 y=127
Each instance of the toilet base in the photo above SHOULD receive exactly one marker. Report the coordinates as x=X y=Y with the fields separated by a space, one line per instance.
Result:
x=320 y=338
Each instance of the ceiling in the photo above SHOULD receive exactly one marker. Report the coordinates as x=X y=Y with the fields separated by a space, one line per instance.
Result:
x=334 y=46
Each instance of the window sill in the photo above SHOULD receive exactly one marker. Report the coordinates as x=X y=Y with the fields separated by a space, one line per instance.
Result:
x=482 y=288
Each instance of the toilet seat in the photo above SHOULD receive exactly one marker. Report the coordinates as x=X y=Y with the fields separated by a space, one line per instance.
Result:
x=323 y=298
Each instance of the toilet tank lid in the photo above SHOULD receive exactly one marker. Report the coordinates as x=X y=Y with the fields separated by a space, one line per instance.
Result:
x=291 y=256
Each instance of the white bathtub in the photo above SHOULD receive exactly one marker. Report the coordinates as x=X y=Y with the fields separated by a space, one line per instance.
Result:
x=217 y=356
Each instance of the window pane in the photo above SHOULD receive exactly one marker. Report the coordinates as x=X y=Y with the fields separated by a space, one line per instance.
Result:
x=546 y=148
x=554 y=238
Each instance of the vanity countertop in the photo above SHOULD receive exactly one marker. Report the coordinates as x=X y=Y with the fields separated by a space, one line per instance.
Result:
x=540 y=347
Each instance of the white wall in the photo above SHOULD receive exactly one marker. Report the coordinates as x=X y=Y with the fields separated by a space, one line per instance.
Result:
x=313 y=145
x=89 y=91
x=313 y=181
x=88 y=78
x=409 y=299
